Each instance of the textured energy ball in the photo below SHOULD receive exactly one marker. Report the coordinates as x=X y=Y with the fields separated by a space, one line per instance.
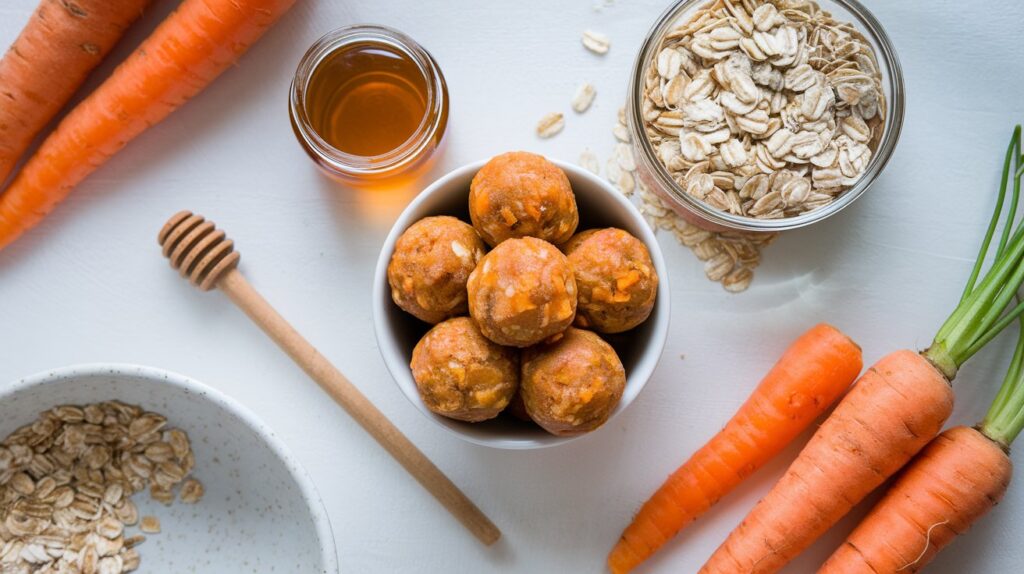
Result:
x=517 y=408
x=520 y=194
x=462 y=375
x=571 y=386
x=615 y=277
x=522 y=292
x=430 y=266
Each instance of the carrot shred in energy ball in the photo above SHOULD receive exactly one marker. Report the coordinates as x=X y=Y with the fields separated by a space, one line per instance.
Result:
x=462 y=375
x=572 y=385
x=522 y=292
x=521 y=194
x=615 y=278
x=430 y=267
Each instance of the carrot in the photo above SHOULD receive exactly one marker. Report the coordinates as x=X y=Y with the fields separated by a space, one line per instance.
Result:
x=898 y=405
x=809 y=377
x=956 y=480
x=892 y=412
x=62 y=42
x=197 y=42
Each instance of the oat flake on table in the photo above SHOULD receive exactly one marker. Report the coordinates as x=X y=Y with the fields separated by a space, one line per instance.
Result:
x=584 y=97
x=550 y=125
x=596 y=42
x=588 y=161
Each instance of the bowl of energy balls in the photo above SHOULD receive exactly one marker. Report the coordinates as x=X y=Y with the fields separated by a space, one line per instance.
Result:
x=521 y=302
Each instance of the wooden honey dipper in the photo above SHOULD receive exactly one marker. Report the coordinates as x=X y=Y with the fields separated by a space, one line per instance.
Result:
x=206 y=257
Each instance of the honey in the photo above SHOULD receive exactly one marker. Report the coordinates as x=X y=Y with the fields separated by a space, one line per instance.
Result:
x=366 y=99
x=368 y=102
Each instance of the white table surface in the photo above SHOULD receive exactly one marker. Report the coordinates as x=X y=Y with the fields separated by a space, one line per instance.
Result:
x=89 y=284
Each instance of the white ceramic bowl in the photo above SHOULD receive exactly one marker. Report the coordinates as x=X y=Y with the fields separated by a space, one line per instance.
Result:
x=261 y=513
x=600 y=205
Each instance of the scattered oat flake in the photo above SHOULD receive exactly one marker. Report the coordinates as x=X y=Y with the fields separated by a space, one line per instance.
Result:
x=588 y=161
x=150 y=525
x=624 y=157
x=584 y=97
x=621 y=133
x=596 y=42
x=612 y=171
x=550 y=125
x=729 y=257
x=626 y=183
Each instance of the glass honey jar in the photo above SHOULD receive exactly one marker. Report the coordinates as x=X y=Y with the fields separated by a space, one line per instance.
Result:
x=368 y=103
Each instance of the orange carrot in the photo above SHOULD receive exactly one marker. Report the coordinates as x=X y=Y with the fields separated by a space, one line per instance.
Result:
x=895 y=408
x=60 y=45
x=955 y=481
x=892 y=412
x=197 y=42
x=806 y=380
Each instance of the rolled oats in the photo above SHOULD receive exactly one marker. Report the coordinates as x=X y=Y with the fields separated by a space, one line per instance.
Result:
x=150 y=525
x=550 y=124
x=585 y=95
x=596 y=42
x=758 y=87
x=191 y=491
x=588 y=161
x=624 y=157
x=621 y=133
x=66 y=483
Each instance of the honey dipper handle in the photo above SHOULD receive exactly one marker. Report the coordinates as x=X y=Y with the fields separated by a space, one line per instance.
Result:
x=358 y=406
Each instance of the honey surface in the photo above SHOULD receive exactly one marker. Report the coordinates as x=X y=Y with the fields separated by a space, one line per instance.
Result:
x=366 y=99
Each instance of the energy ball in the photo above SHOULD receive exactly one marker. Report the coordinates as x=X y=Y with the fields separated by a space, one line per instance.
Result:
x=517 y=409
x=430 y=266
x=520 y=194
x=462 y=375
x=522 y=292
x=616 y=279
x=571 y=386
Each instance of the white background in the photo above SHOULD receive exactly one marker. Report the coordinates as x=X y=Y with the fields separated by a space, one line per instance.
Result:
x=89 y=284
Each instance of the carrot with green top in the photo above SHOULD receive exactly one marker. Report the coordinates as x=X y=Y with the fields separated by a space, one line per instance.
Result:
x=957 y=479
x=809 y=377
x=960 y=476
x=55 y=52
x=191 y=48
x=896 y=408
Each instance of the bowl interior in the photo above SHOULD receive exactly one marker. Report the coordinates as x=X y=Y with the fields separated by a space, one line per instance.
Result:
x=600 y=205
x=258 y=514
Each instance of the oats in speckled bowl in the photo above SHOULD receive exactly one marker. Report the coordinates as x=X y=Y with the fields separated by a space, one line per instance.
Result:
x=112 y=468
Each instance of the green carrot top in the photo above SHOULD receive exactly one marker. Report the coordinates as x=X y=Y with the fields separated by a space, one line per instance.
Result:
x=980 y=315
x=1005 y=418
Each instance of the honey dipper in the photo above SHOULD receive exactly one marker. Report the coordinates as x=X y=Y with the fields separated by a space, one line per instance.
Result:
x=206 y=257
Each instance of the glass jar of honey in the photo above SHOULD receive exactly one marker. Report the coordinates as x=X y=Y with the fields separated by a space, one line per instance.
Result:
x=367 y=103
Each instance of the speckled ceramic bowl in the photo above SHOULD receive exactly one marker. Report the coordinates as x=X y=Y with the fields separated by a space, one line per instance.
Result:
x=261 y=513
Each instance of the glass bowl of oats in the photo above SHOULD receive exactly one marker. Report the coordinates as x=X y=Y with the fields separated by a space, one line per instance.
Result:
x=764 y=116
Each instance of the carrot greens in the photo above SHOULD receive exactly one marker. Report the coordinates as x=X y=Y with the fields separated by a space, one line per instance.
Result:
x=1005 y=418
x=980 y=315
